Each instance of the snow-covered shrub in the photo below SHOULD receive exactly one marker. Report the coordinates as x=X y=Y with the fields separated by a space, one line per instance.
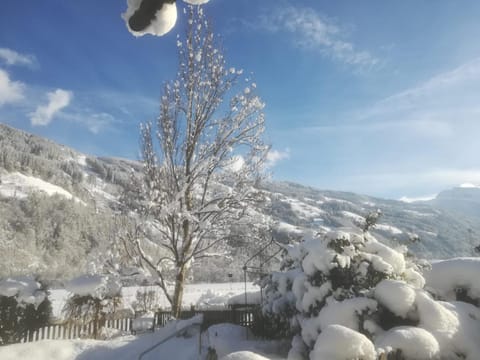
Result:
x=94 y=296
x=145 y=300
x=24 y=307
x=348 y=296
x=455 y=279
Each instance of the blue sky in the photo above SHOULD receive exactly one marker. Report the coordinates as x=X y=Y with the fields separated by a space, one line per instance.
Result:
x=376 y=97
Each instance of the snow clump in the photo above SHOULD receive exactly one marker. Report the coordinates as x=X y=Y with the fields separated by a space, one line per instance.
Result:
x=338 y=342
x=25 y=290
x=414 y=343
x=96 y=286
x=243 y=355
x=448 y=278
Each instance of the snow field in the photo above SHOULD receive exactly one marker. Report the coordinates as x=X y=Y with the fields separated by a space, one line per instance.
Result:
x=123 y=348
x=19 y=185
x=199 y=295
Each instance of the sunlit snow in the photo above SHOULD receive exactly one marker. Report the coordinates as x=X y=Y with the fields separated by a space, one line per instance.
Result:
x=19 y=185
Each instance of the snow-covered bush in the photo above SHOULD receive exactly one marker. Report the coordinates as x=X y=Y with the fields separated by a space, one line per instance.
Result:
x=93 y=297
x=455 y=279
x=347 y=296
x=146 y=299
x=24 y=307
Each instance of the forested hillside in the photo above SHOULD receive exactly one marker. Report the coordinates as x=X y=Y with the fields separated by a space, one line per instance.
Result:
x=59 y=214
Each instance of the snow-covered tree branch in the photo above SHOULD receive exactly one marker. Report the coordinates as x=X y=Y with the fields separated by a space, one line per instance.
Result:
x=201 y=158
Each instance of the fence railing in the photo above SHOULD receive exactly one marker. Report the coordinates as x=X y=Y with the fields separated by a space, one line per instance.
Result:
x=243 y=317
x=67 y=331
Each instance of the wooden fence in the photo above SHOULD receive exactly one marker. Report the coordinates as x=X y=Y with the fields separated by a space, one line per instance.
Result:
x=244 y=317
x=68 y=331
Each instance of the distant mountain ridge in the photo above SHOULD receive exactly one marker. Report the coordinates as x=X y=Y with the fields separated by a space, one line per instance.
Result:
x=446 y=226
x=462 y=200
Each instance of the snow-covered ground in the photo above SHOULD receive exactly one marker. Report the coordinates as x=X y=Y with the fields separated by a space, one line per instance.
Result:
x=287 y=228
x=303 y=210
x=354 y=216
x=230 y=342
x=183 y=339
x=19 y=185
x=195 y=294
x=388 y=228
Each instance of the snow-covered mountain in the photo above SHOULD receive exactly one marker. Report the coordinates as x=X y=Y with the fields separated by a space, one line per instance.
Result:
x=441 y=232
x=38 y=177
x=464 y=199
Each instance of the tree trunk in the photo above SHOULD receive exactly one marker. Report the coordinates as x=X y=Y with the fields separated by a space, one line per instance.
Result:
x=178 y=294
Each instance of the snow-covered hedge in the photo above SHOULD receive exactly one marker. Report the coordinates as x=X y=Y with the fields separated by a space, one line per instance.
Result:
x=24 y=306
x=347 y=296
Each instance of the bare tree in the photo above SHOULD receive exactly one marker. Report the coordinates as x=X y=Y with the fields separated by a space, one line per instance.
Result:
x=202 y=160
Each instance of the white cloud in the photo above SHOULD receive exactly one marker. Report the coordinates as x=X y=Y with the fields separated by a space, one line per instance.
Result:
x=95 y=122
x=11 y=57
x=415 y=183
x=10 y=91
x=57 y=100
x=446 y=91
x=440 y=107
x=314 y=31
x=274 y=156
x=469 y=186
x=419 y=198
x=418 y=125
x=444 y=107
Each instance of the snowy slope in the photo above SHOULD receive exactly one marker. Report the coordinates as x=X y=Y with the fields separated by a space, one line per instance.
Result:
x=18 y=185
x=31 y=163
x=464 y=200
x=442 y=233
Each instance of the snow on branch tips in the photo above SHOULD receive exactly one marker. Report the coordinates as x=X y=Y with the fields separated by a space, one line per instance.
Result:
x=202 y=159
